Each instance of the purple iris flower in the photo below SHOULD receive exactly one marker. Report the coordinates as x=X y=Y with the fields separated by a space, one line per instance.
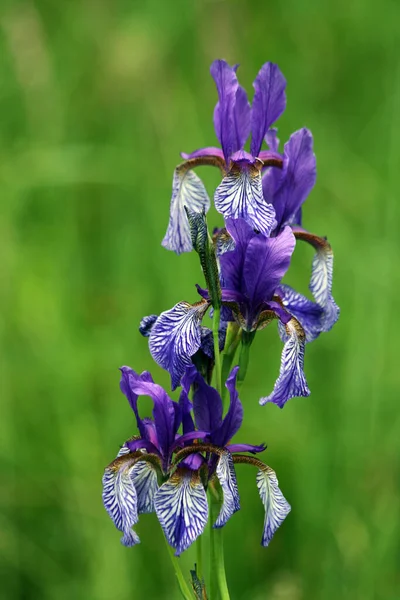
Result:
x=286 y=190
x=240 y=194
x=168 y=473
x=251 y=277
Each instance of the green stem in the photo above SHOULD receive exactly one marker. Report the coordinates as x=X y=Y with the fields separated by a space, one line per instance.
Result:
x=216 y=319
x=199 y=564
x=218 y=585
x=247 y=340
x=183 y=586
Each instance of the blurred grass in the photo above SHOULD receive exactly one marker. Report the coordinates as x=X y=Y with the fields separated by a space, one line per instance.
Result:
x=97 y=99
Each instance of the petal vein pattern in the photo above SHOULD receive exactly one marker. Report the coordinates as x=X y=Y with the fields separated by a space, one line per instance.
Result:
x=225 y=472
x=187 y=190
x=144 y=478
x=321 y=285
x=120 y=498
x=291 y=381
x=240 y=195
x=275 y=504
x=182 y=509
x=176 y=336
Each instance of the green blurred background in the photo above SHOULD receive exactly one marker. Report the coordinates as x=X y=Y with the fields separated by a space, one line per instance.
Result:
x=97 y=99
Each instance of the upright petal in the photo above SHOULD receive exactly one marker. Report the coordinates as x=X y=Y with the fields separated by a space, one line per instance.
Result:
x=275 y=504
x=233 y=418
x=227 y=87
x=241 y=119
x=207 y=405
x=266 y=262
x=321 y=277
x=128 y=376
x=120 y=497
x=308 y=313
x=240 y=196
x=164 y=411
x=176 y=336
x=291 y=381
x=187 y=190
x=184 y=401
x=225 y=472
x=268 y=104
x=182 y=509
x=297 y=179
x=232 y=260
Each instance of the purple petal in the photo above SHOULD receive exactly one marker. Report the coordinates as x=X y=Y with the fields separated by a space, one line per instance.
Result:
x=308 y=313
x=268 y=104
x=227 y=86
x=233 y=418
x=163 y=411
x=275 y=504
x=176 y=336
x=271 y=139
x=187 y=190
x=193 y=462
x=181 y=440
x=288 y=191
x=146 y=325
x=241 y=119
x=232 y=262
x=266 y=262
x=240 y=196
x=128 y=375
x=225 y=472
x=207 y=405
x=182 y=509
x=120 y=497
x=184 y=402
x=291 y=381
x=246 y=448
x=210 y=151
x=134 y=445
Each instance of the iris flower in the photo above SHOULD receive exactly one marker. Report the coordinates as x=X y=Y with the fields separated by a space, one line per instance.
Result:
x=251 y=272
x=168 y=473
x=240 y=194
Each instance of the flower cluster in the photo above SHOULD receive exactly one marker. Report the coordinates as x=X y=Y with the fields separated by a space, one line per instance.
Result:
x=185 y=449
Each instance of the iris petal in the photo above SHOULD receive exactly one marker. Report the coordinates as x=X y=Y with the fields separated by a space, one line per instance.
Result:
x=144 y=478
x=225 y=472
x=120 y=497
x=308 y=313
x=187 y=190
x=268 y=104
x=240 y=195
x=176 y=336
x=182 y=509
x=275 y=504
x=321 y=277
x=291 y=381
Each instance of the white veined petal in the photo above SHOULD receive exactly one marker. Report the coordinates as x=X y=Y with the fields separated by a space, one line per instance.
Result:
x=187 y=190
x=240 y=195
x=120 y=498
x=144 y=477
x=291 y=381
x=225 y=472
x=275 y=504
x=176 y=336
x=321 y=285
x=182 y=509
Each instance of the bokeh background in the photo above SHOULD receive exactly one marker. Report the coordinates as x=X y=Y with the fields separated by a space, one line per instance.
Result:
x=97 y=99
